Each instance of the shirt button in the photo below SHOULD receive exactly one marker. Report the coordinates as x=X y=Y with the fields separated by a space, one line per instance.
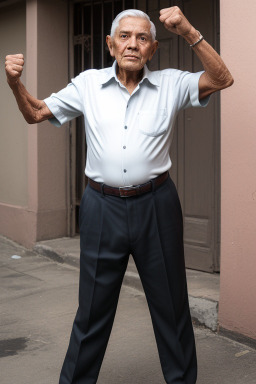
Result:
x=125 y=127
x=124 y=147
x=125 y=170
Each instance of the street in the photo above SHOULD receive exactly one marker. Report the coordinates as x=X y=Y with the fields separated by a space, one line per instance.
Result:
x=38 y=301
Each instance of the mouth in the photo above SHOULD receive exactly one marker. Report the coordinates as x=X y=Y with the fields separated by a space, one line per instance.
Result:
x=131 y=57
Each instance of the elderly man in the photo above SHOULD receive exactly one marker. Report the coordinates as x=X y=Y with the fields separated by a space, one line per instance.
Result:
x=130 y=205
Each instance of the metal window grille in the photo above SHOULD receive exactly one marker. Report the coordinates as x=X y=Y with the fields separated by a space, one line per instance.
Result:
x=91 y=24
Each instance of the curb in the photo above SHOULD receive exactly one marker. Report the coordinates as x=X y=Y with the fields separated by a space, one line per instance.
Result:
x=59 y=257
x=203 y=311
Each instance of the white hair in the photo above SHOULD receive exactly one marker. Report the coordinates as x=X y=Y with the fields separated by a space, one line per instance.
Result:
x=132 y=13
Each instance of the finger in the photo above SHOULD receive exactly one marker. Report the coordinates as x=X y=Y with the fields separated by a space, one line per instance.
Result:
x=164 y=16
x=167 y=14
x=19 y=62
x=165 y=10
x=13 y=73
x=14 y=67
x=16 y=55
x=15 y=59
x=173 y=20
x=169 y=10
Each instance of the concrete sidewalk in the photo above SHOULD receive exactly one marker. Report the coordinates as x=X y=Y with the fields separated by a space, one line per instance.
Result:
x=203 y=287
x=38 y=301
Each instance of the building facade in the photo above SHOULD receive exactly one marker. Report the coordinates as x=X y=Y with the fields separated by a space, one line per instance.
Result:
x=213 y=150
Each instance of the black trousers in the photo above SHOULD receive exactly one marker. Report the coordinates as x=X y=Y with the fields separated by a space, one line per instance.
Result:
x=150 y=227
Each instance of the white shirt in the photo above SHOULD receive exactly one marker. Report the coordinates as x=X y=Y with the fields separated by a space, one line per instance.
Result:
x=128 y=136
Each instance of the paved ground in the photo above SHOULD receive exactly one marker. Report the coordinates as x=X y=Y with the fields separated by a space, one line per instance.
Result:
x=203 y=288
x=38 y=299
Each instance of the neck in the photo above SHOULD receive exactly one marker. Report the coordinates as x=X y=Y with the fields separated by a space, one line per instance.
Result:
x=130 y=79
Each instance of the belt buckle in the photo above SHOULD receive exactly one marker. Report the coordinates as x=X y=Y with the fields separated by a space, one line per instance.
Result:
x=125 y=188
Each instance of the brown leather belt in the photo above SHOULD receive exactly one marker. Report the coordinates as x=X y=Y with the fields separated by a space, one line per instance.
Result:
x=129 y=190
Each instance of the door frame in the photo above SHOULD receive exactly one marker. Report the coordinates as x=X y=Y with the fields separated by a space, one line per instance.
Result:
x=215 y=208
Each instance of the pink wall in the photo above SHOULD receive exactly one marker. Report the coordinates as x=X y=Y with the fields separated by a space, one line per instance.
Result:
x=46 y=67
x=238 y=170
x=47 y=71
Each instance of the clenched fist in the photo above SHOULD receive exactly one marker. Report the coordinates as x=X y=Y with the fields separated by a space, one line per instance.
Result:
x=14 y=67
x=174 y=20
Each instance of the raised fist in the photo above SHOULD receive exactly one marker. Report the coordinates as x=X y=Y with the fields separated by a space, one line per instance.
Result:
x=14 y=67
x=174 y=20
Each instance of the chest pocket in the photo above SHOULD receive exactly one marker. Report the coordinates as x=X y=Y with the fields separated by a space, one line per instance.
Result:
x=153 y=123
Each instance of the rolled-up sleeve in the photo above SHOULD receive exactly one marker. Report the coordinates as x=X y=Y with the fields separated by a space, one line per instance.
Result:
x=189 y=91
x=66 y=104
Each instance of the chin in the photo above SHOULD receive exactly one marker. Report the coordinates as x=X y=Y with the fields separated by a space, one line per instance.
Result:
x=132 y=66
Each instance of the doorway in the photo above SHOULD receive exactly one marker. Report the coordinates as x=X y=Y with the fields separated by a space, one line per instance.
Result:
x=195 y=150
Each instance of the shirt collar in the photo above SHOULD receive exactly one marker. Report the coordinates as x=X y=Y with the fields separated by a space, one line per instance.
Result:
x=151 y=76
x=111 y=73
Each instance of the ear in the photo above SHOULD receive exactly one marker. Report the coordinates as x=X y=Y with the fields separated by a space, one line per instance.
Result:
x=153 y=49
x=110 y=45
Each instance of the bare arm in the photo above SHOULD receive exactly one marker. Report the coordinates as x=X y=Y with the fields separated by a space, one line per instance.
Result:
x=217 y=75
x=33 y=110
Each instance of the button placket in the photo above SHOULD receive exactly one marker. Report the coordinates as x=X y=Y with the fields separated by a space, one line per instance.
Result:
x=124 y=144
x=124 y=160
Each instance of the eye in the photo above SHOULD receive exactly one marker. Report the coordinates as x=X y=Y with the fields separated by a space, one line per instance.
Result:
x=143 y=38
x=123 y=36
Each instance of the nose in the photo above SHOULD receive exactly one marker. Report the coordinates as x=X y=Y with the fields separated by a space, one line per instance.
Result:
x=132 y=43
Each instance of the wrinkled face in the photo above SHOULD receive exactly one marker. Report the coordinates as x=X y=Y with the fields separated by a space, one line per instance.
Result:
x=132 y=45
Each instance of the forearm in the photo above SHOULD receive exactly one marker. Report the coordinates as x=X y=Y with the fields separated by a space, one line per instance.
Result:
x=32 y=109
x=217 y=75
